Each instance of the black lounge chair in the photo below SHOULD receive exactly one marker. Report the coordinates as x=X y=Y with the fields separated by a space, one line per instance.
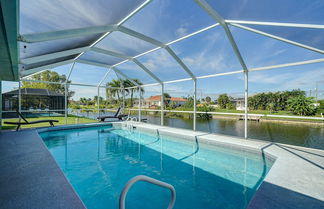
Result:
x=118 y=115
x=51 y=122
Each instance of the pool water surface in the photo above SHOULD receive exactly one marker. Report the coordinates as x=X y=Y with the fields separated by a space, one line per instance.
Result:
x=98 y=162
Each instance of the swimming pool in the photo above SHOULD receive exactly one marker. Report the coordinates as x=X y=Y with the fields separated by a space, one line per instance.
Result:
x=98 y=161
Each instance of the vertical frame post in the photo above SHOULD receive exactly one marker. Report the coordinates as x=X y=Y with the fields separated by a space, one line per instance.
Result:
x=19 y=97
x=140 y=105
x=194 y=105
x=246 y=86
x=124 y=97
x=98 y=101
x=162 y=104
x=1 y=105
x=65 y=103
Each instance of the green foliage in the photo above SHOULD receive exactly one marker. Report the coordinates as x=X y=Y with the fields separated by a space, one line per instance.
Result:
x=273 y=101
x=205 y=108
x=172 y=105
x=271 y=107
x=128 y=84
x=74 y=106
x=301 y=105
x=208 y=99
x=50 y=76
x=114 y=90
x=321 y=104
x=189 y=103
x=223 y=100
x=166 y=99
x=320 y=109
x=230 y=106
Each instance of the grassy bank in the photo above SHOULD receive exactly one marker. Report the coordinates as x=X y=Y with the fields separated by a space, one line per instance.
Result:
x=230 y=116
x=61 y=119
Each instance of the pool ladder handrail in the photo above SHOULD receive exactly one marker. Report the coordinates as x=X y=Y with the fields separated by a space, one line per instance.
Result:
x=150 y=180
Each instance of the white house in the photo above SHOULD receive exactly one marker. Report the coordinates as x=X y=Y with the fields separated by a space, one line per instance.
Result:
x=155 y=101
x=239 y=103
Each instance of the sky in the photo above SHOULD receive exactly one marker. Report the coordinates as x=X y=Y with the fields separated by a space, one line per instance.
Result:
x=206 y=53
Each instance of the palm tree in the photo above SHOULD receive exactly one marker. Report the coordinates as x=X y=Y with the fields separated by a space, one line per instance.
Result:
x=117 y=84
x=128 y=84
x=113 y=88
x=302 y=105
x=166 y=97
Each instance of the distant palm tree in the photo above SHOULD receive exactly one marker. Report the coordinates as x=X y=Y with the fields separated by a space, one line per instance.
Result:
x=128 y=84
x=115 y=88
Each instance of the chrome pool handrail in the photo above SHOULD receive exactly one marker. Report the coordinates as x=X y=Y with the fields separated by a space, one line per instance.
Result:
x=150 y=180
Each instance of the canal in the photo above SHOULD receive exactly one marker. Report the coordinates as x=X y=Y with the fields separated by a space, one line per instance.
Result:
x=300 y=134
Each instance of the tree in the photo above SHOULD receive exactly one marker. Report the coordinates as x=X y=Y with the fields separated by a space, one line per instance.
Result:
x=208 y=99
x=302 y=105
x=189 y=103
x=230 y=106
x=50 y=76
x=253 y=103
x=127 y=84
x=273 y=101
x=167 y=98
x=83 y=100
x=113 y=89
x=223 y=100
x=271 y=106
x=95 y=99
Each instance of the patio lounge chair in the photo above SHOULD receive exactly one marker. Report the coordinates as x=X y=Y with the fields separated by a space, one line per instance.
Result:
x=118 y=115
x=26 y=122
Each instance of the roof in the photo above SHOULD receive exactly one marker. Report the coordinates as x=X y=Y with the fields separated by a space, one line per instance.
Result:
x=237 y=99
x=150 y=39
x=178 y=99
x=31 y=91
x=154 y=98
x=158 y=98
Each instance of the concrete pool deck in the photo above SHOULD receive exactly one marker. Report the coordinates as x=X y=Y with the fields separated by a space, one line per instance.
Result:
x=30 y=177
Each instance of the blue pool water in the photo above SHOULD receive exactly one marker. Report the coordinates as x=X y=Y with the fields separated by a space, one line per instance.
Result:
x=98 y=162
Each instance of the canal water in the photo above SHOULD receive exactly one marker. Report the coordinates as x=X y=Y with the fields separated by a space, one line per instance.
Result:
x=301 y=134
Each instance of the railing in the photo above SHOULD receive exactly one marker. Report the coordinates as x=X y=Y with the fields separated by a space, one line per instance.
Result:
x=232 y=113
x=35 y=110
x=150 y=180
x=172 y=111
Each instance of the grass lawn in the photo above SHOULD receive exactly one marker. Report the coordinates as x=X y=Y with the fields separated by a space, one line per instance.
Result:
x=61 y=119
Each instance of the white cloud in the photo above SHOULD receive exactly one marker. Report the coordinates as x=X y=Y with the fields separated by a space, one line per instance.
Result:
x=182 y=31
x=63 y=14
x=213 y=56
x=306 y=79
x=159 y=60
x=293 y=79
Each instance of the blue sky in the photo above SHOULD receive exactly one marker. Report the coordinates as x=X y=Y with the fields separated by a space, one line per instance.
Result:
x=206 y=53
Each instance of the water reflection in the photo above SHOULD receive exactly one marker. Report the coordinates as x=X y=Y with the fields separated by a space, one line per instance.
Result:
x=307 y=135
x=99 y=161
